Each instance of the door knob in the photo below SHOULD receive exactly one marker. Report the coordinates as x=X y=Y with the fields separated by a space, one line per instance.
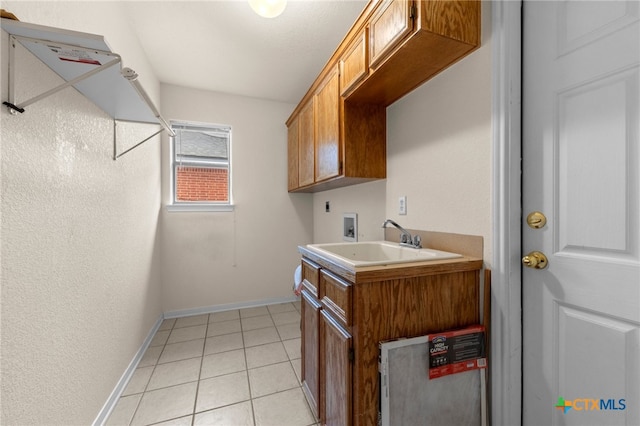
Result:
x=536 y=260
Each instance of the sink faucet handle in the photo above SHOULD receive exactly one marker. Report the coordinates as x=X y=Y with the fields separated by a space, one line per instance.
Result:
x=405 y=237
x=417 y=241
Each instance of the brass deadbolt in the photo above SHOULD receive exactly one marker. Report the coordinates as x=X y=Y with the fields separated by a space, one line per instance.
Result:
x=535 y=260
x=536 y=220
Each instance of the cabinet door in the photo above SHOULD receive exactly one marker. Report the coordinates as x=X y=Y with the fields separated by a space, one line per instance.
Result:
x=292 y=157
x=306 y=146
x=311 y=350
x=392 y=22
x=354 y=64
x=327 y=112
x=336 y=372
x=335 y=296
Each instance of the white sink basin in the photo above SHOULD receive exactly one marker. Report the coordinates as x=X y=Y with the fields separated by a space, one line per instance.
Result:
x=374 y=253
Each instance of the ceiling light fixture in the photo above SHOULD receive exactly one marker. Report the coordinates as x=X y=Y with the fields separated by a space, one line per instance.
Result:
x=268 y=8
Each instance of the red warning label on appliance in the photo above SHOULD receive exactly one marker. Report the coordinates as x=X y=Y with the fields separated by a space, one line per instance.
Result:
x=456 y=351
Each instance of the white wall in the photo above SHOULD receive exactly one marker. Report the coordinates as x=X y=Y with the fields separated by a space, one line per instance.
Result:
x=79 y=248
x=367 y=200
x=211 y=259
x=438 y=155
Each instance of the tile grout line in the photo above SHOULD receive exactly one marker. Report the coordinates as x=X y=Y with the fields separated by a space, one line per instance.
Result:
x=153 y=371
x=246 y=369
x=209 y=323
x=204 y=345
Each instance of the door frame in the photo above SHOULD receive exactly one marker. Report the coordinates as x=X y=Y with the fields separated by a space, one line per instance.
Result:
x=506 y=316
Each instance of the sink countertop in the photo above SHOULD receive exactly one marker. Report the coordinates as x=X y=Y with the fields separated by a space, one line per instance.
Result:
x=395 y=270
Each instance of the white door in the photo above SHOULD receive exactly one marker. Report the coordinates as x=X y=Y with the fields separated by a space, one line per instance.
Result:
x=581 y=314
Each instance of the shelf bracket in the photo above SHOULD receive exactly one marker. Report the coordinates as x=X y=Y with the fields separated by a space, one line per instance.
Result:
x=132 y=77
x=115 y=140
x=57 y=47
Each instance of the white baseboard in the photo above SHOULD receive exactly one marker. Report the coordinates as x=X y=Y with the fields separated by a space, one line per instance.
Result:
x=228 y=307
x=108 y=407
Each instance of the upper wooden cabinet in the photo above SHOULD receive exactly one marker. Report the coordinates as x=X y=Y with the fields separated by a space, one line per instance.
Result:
x=392 y=48
x=346 y=144
x=293 y=149
x=354 y=64
x=392 y=22
x=306 y=145
x=327 y=128
x=406 y=54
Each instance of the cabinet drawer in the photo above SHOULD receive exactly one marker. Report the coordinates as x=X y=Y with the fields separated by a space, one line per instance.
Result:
x=335 y=296
x=311 y=277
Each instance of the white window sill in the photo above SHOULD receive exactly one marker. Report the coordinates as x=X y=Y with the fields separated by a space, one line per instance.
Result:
x=199 y=208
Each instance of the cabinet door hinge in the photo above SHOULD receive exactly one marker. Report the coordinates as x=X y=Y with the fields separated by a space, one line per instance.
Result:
x=413 y=12
x=351 y=355
x=340 y=167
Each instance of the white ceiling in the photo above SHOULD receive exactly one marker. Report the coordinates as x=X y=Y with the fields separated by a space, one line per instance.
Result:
x=224 y=46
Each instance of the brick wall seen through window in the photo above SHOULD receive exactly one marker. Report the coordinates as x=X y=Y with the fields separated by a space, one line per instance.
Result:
x=201 y=163
x=197 y=184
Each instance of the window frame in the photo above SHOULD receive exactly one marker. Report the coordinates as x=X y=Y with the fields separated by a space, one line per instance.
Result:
x=177 y=205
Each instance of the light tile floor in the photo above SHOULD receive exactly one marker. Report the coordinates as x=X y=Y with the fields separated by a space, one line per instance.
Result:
x=233 y=368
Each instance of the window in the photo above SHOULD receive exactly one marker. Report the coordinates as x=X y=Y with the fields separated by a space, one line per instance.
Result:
x=201 y=165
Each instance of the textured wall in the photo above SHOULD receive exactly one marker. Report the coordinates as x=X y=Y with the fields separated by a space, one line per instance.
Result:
x=438 y=155
x=217 y=258
x=79 y=248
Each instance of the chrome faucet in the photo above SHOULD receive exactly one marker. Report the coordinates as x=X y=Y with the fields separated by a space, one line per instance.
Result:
x=405 y=237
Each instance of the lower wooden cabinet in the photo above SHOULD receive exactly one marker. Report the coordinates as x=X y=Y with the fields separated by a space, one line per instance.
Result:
x=336 y=359
x=311 y=350
x=327 y=357
x=345 y=315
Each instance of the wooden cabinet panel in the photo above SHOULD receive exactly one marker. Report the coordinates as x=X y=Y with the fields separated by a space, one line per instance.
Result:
x=327 y=105
x=391 y=23
x=311 y=277
x=356 y=312
x=405 y=43
x=440 y=34
x=306 y=146
x=354 y=64
x=457 y=20
x=405 y=307
x=292 y=152
x=336 y=359
x=311 y=350
x=336 y=297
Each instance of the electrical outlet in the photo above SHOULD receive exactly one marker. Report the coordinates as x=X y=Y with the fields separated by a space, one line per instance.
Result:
x=402 y=205
x=327 y=207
